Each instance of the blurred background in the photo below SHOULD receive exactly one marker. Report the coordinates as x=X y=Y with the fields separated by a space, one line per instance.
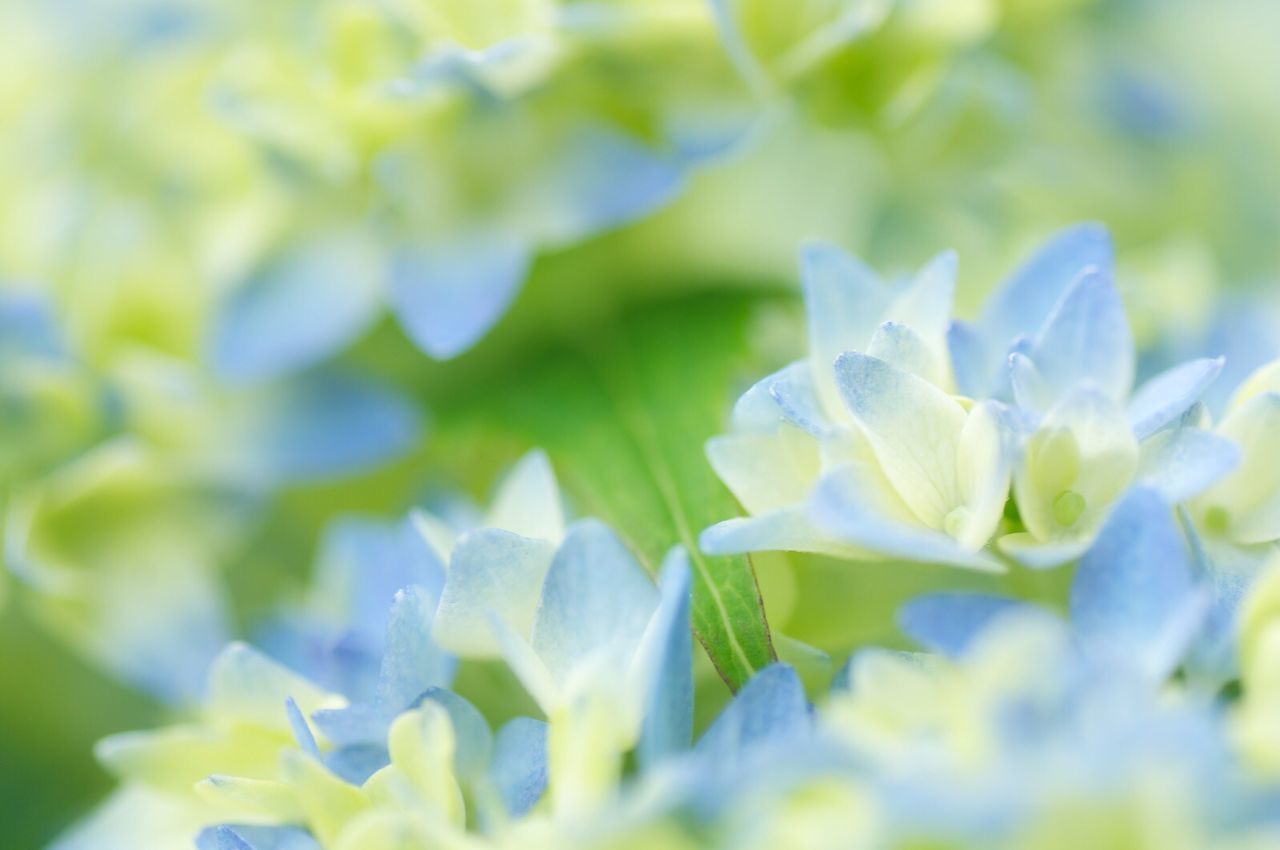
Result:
x=264 y=266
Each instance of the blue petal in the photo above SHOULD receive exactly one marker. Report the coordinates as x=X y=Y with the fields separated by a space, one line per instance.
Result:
x=29 y=328
x=599 y=179
x=355 y=763
x=1228 y=571
x=1024 y=302
x=946 y=623
x=255 y=838
x=1180 y=463
x=363 y=563
x=796 y=396
x=1168 y=395
x=353 y=725
x=327 y=425
x=770 y=708
x=1243 y=333
x=473 y=741
x=1133 y=596
x=304 y=307
x=668 y=648
x=519 y=768
x=1087 y=338
x=412 y=664
x=301 y=731
x=596 y=598
x=844 y=302
x=970 y=362
x=448 y=296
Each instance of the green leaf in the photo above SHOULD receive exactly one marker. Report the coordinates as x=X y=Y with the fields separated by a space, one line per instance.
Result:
x=624 y=417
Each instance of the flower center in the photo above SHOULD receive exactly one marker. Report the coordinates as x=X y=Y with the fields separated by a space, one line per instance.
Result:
x=955 y=521
x=1068 y=507
x=1217 y=519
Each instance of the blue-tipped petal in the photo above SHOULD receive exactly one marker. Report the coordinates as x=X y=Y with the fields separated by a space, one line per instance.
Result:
x=519 y=767
x=844 y=302
x=1024 y=302
x=1133 y=596
x=255 y=838
x=947 y=623
x=448 y=296
x=666 y=651
x=1180 y=463
x=901 y=347
x=302 y=308
x=797 y=400
x=1170 y=394
x=596 y=599
x=785 y=530
x=411 y=664
x=1028 y=385
x=757 y=408
x=491 y=571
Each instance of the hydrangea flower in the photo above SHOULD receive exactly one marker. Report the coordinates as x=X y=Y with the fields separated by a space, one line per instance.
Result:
x=128 y=479
x=902 y=432
x=607 y=649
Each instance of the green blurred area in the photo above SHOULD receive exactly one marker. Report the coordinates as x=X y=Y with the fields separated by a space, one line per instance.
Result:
x=53 y=707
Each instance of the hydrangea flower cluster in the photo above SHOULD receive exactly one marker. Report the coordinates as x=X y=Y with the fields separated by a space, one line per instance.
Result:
x=127 y=480
x=340 y=157
x=909 y=435
x=1012 y=443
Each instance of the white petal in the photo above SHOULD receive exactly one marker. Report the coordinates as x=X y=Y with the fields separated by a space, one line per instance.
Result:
x=840 y=508
x=785 y=530
x=527 y=501
x=1077 y=463
x=1265 y=380
x=984 y=467
x=765 y=471
x=1246 y=504
x=913 y=428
